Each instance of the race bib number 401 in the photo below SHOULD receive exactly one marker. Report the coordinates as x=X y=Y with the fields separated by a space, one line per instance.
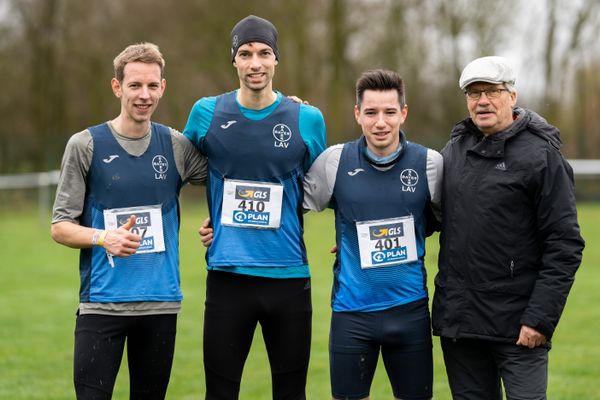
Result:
x=148 y=225
x=387 y=242
x=252 y=204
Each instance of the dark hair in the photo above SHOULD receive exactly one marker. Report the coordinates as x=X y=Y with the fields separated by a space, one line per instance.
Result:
x=380 y=80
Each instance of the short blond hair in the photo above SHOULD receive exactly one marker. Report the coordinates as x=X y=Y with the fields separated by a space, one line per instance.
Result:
x=141 y=52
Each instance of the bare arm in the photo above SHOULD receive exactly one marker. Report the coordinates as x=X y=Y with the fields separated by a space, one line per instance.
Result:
x=119 y=242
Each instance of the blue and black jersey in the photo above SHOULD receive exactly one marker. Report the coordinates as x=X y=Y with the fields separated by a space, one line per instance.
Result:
x=273 y=145
x=117 y=180
x=373 y=194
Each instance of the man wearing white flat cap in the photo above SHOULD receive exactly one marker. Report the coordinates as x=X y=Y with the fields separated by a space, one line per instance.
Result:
x=510 y=242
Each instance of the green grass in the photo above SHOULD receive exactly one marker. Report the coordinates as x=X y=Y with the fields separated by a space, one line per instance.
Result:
x=39 y=285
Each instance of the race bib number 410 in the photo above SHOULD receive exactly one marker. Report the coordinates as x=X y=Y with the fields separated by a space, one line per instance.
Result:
x=252 y=204
x=386 y=242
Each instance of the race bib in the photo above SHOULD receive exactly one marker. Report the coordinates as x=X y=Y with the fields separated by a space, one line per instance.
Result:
x=252 y=204
x=148 y=225
x=386 y=242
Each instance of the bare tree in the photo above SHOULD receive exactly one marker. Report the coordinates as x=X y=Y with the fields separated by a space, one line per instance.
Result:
x=569 y=56
x=56 y=61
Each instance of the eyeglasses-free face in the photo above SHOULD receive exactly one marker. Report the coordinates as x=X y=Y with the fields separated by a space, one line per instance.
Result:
x=381 y=117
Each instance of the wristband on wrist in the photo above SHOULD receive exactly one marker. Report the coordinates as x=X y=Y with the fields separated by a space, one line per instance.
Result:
x=101 y=238
x=95 y=237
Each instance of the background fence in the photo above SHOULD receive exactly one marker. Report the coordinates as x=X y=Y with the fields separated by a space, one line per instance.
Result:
x=586 y=171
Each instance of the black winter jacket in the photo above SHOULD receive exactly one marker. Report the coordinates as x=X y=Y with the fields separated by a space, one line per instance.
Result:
x=510 y=242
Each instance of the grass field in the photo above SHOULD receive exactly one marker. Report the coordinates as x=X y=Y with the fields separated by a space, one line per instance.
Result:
x=39 y=286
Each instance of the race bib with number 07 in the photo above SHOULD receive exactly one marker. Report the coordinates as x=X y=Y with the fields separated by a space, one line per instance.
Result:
x=148 y=225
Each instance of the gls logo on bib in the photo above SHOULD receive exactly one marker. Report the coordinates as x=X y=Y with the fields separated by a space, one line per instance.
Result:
x=252 y=193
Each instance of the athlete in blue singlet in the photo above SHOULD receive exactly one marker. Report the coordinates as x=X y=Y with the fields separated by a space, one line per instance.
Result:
x=259 y=145
x=117 y=200
x=384 y=190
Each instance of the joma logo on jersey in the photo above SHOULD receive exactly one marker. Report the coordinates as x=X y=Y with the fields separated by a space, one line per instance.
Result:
x=252 y=193
x=386 y=231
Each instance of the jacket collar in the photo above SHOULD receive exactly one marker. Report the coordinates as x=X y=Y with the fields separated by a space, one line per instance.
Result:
x=493 y=146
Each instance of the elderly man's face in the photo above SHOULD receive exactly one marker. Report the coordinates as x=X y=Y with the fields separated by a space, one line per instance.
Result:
x=492 y=111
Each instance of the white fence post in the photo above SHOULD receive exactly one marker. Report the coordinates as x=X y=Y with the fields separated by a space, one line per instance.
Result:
x=41 y=180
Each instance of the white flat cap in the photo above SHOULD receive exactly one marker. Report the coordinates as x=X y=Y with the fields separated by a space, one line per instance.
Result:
x=491 y=69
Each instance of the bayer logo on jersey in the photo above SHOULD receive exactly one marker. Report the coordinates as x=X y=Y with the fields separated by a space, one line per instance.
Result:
x=282 y=134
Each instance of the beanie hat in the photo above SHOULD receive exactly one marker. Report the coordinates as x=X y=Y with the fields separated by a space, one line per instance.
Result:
x=253 y=29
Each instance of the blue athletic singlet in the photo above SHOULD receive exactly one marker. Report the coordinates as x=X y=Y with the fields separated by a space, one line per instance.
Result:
x=271 y=146
x=117 y=180
x=268 y=150
x=363 y=194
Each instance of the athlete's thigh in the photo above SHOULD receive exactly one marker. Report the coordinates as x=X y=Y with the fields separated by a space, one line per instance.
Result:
x=524 y=371
x=99 y=343
x=407 y=350
x=353 y=354
x=230 y=318
x=286 y=327
x=286 y=322
x=150 y=347
x=471 y=369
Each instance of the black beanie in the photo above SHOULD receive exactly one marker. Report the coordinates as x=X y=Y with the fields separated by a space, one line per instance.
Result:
x=253 y=29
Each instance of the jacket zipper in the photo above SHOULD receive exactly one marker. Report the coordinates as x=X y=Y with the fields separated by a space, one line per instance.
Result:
x=512 y=269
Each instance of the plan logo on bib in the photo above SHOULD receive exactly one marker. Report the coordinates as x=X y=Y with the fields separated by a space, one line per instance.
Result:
x=160 y=166
x=282 y=134
x=409 y=179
